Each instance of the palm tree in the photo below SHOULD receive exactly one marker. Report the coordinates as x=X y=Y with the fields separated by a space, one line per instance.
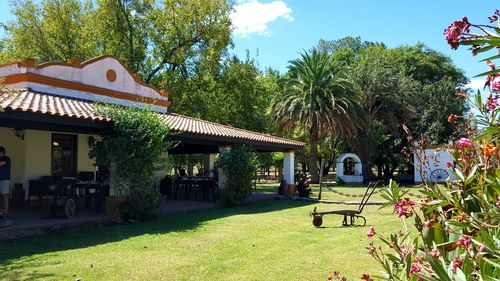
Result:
x=318 y=98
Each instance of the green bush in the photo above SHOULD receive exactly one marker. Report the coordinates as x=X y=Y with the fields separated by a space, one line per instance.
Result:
x=240 y=166
x=140 y=204
x=135 y=146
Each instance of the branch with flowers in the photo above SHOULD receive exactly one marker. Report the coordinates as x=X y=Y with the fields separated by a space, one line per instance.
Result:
x=456 y=234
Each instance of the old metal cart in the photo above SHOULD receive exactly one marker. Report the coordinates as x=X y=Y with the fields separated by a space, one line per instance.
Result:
x=350 y=216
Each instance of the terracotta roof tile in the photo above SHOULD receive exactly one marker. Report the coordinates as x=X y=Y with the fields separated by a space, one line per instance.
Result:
x=25 y=100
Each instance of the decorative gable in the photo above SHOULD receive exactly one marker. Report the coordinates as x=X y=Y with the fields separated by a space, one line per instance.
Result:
x=103 y=79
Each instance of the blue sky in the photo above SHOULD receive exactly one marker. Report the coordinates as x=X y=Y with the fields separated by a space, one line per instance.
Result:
x=394 y=22
x=279 y=30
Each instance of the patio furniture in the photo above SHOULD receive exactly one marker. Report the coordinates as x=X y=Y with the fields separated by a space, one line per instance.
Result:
x=70 y=194
x=65 y=199
x=351 y=214
x=194 y=188
x=41 y=187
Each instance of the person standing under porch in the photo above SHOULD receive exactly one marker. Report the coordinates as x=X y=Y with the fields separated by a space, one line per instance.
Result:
x=4 y=183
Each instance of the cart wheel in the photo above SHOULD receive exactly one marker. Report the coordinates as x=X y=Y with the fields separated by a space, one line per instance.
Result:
x=317 y=220
x=439 y=175
x=69 y=208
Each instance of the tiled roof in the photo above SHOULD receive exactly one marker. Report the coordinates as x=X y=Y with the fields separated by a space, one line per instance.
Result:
x=25 y=100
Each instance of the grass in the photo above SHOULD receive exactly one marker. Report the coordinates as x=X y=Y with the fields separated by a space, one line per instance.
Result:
x=272 y=188
x=266 y=240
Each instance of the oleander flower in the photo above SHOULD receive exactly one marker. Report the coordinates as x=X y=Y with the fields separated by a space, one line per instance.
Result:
x=495 y=85
x=457 y=263
x=454 y=30
x=416 y=266
x=448 y=165
x=371 y=232
x=371 y=249
x=435 y=252
x=404 y=207
x=464 y=142
x=465 y=242
x=492 y=101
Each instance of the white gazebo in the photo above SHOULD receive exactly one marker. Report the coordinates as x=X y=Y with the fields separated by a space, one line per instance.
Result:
x=349 y=168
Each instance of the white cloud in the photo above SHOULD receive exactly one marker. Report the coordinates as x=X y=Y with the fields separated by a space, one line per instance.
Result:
x=476 y=84
x=252 y=16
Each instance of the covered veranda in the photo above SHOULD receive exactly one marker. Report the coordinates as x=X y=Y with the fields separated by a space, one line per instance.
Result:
x=48 y=115
x=31 y=119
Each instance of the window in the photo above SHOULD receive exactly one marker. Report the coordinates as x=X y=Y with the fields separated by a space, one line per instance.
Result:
x=64 y=152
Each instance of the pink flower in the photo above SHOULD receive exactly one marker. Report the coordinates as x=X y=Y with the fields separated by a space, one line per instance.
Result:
x=404 y=208
x=448 y=165
x=491 y=101
x=428 y=223
x=457 y=263
x=495 y=85
x=464 y=142
x=454 y=30
x=371 y=232
x=416 y=266
x=371 y=249
x=481 y=248
x=435 y=252
x=465 y=242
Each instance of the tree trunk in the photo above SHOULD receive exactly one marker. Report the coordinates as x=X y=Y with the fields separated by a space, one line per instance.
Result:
x=362 y=148
x=313 y=160
x=190 y=169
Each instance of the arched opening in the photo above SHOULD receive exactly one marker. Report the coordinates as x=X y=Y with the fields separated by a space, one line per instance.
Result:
x=349 y=167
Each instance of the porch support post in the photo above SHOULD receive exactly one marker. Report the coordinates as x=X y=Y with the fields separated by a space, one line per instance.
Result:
x=222 y=172
x=211 y=164
x=112 y=180
x=289 y=167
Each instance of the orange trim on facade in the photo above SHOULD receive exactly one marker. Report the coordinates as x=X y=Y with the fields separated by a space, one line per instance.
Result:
x=77 y=64
x=50 y=81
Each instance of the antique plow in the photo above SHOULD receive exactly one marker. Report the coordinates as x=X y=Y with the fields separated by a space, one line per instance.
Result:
x=350 y=216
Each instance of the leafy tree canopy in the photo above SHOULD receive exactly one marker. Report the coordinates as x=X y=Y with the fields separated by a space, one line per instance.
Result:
x=150 y=36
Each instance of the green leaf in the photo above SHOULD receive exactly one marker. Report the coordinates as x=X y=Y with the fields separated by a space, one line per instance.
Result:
x=491 y=72
x=460 y=276
x=438 y=269
x=491 y=58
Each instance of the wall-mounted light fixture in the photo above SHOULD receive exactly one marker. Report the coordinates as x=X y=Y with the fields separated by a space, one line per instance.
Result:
x=19 y=133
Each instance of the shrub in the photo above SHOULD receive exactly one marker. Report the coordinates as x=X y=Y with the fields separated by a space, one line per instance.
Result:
x=135 y=146
x=239 y=165
x=140 y=204
x=458 y=222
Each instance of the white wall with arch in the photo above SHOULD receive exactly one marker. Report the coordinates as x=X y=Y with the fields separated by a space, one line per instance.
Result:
x=349 y=168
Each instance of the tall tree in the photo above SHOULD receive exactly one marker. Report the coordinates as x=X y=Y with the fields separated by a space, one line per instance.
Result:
x=155 y=38
x=381 y=87
x=434 y=83
x=53 y=30
x=317 y=97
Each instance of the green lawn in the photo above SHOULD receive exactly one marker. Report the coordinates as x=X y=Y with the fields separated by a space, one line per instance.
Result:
x=272 y=188
x=266 y=240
